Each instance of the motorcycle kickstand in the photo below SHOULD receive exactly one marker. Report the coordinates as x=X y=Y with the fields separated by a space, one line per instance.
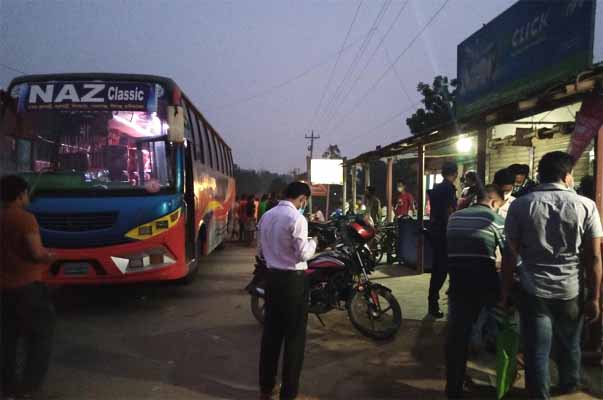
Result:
x=320 y=319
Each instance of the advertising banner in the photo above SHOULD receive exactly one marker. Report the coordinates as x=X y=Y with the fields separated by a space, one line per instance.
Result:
x=326 y=171
x=530 y=47
x=588 y=122
x=319 y=190
x=88 y=96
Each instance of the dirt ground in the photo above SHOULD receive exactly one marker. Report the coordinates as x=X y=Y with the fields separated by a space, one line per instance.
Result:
x=168 y=341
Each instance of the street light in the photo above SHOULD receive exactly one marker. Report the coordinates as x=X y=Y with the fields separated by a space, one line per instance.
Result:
x=463 y=145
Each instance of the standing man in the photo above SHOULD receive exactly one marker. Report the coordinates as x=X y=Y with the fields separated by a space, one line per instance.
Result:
x=443 y=202
x=373 y=205
x=469 y=181
x=263 y=206
x=505 y=179
x=474 y=234
x=243 y=218
x=523 y=184
x=26 y=306
x=272 y=201
x=283 y=242
x=546 y=228
x=406 y=202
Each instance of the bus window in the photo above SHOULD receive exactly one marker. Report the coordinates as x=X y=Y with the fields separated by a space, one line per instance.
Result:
x=192 y=128
x=221 y=159
x=205 y=137
x=230 y=165
x=226 y=162
x=212 y=148
x=218 y=157
x=200 y=145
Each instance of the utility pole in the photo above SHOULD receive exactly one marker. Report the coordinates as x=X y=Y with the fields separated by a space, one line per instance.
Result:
x=312 y=138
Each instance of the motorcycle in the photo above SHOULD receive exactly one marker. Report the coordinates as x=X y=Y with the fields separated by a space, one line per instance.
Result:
x=339 y=280
x=326 y=233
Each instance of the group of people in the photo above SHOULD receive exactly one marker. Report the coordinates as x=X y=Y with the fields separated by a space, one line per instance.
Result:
x=246 y=212
x=371 y=205
x=514 y=242
x=536 y=246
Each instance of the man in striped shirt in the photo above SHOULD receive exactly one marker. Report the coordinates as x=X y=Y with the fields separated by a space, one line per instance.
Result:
x=473 y=236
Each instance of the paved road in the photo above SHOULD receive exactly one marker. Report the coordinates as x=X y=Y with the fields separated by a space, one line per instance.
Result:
x=167 y=341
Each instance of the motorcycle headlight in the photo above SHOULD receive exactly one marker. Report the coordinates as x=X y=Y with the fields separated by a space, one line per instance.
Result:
x=155 y=227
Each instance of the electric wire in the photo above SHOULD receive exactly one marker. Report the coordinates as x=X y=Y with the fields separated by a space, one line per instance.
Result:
x=368 y=62
x=324 y=92
x=356 y=59
x=391 y=66
x=286 y=82
x=12 y=69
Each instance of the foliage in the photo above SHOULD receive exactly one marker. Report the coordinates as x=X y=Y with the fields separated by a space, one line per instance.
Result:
x=332 y=152
x=277 y=185
x=438 y=100
x=250 y=181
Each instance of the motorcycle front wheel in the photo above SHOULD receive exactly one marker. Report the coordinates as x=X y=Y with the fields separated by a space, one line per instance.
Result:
x=375 y=312
x=258 y=308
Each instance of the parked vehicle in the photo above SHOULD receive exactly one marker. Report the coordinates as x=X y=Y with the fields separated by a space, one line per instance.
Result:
x=385 y=243
x=326 y=232
x=339 y=280
x=130 y=182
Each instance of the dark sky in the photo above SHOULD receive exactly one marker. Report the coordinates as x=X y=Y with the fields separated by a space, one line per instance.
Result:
x=257 y=69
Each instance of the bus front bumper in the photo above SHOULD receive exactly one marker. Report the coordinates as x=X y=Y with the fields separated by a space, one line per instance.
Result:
x=155 y=259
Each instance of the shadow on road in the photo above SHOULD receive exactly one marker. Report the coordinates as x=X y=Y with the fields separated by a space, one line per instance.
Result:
x=392 y=271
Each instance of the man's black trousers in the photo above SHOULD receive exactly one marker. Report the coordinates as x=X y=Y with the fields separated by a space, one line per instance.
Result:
x=27 y=312
x=285 y=322
x=473 y=285
x=439 y=266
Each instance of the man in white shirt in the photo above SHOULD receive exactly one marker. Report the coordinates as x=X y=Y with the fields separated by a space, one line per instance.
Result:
x=504 y=179
x=283 y=242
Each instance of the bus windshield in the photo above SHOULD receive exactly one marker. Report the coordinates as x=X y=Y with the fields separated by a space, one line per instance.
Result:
x=88 y=152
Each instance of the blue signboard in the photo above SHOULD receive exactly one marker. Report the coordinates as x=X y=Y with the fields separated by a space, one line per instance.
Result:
x=88 y=96
x=528 y=48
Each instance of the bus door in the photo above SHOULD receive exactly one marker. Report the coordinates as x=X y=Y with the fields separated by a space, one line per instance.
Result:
x=189 y=198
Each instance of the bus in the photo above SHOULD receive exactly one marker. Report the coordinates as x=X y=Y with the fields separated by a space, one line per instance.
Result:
x=129 y=182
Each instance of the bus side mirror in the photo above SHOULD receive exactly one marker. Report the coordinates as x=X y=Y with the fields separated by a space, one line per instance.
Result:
x=176 y=123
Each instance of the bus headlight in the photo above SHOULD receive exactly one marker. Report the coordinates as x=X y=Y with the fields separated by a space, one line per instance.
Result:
x=155 y=227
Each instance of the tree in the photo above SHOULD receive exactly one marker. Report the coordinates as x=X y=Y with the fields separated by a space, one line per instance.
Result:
x=439 y=104
x=277 y=186
x=332 y=152
x=255 y=182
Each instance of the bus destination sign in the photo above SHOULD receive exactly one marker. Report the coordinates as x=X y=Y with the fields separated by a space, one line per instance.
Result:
x=88 y=96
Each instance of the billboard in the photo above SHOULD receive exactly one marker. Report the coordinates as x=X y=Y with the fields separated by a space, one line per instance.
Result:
x=326 y=171
x=530 y=47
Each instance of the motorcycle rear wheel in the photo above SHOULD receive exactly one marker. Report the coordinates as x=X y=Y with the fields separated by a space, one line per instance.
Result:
x=377 y=250
x=258 y=308
x=378 y=321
